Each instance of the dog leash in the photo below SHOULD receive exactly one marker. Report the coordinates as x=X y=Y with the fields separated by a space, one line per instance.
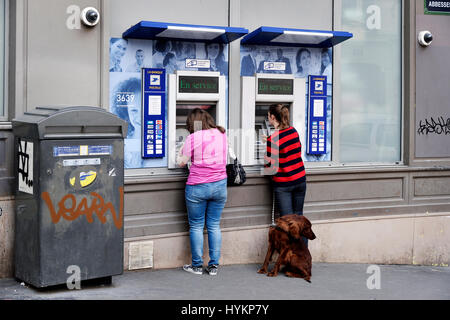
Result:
x=273 y=209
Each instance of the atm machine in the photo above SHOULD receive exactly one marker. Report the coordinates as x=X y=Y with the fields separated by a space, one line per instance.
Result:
x=258 y=93
x=261 y=90
x=188 y=90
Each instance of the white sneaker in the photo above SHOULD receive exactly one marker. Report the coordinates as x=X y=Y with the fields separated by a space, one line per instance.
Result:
x=191 y=269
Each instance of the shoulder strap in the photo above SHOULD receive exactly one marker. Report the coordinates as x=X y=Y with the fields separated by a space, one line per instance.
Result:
x=231 y=153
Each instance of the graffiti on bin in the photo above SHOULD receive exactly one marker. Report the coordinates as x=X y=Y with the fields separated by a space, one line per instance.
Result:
x=72 y=211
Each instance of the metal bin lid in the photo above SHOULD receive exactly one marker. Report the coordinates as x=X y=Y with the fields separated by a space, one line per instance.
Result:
x=69 y=122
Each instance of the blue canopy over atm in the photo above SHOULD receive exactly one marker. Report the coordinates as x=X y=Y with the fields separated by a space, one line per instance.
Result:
x=295 y=37
x=151 y=30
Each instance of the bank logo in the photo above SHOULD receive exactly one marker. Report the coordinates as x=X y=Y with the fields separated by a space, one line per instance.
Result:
x=155 y=80
x=274 y=66
x=197 y=63
x=319 y=86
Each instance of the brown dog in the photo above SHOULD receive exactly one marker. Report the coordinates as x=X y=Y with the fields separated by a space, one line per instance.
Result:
x=286 y=238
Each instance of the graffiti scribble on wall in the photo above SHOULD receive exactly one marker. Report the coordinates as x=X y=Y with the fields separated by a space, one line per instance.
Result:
x=25 y=158
x=439 y=126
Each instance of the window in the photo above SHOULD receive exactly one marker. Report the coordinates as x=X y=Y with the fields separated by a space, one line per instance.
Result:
x=371 y=82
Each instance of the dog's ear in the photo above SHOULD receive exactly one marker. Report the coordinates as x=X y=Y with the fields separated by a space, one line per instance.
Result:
x=296 y=228
x=283 y=224
x=304 y=219
x=307 y=229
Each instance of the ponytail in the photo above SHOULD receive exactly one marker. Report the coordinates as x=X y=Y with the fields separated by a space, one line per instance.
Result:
x=281 y=114
x=285 y=117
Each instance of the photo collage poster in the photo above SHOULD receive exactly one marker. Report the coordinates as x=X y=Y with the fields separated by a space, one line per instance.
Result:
x=127 y=58
x=301 y=62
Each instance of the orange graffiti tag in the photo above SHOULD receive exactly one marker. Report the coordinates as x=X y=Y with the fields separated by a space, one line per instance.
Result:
x=72 y=212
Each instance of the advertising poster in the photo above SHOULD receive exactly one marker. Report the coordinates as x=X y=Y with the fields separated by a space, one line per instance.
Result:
x=128 y=57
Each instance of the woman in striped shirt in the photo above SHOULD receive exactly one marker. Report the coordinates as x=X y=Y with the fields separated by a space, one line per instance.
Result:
x=284 y=162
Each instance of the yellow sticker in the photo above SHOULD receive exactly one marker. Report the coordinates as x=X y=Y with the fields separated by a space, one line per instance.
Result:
x=87 y=178
x=84 y=150
x=72 y=181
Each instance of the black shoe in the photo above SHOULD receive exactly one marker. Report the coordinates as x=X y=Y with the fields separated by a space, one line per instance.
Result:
x=212 y=270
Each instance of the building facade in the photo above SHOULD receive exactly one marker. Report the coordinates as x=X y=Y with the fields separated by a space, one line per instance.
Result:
x=380 y=193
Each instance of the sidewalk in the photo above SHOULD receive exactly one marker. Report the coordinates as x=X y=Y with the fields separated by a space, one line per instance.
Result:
x=241 y=282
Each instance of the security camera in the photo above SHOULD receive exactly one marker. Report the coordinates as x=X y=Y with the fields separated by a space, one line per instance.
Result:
x=425 y=38
x=90 y=16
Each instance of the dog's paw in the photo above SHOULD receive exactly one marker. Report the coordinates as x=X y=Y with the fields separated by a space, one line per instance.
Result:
x=262 y=271
x=272 y=274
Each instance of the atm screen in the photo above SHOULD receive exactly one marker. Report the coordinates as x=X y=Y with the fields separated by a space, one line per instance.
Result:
x=262 y=127
x=181 y=116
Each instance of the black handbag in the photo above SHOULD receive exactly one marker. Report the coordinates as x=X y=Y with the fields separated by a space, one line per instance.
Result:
x=235 y=173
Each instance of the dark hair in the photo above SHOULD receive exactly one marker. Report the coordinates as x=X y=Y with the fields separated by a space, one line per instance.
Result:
x=190 y=50
x=220 y=55
x=160 y=46
x=177 y=47
x=167 y=58
x=221 y=66
x=114 y=40
x=281 y=114
x=200 y=115
x=297 y=58
x=328 y=52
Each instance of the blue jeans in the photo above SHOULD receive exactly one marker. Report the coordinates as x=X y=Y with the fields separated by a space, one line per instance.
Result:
x=206 y=199
x=290 y=200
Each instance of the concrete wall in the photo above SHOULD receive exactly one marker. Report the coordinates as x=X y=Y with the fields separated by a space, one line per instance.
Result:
x=399 y=216
x=6 y=202
x=6 y=237
x=432 y=95
x=6 y=163
x=77 y=82
x=419 y=239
